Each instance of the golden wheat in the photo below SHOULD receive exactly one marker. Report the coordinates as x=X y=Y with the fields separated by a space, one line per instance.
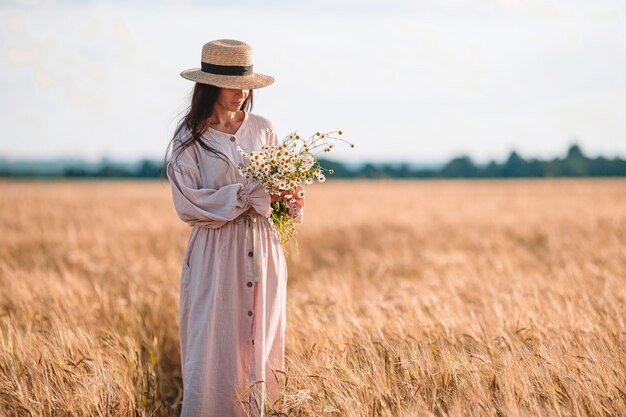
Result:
x=406 y=298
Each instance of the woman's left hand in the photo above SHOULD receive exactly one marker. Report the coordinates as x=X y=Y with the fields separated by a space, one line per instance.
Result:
x=299 y=201
x=296 y=207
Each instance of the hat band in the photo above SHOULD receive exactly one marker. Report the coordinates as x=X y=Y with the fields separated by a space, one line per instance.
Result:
x=226 y=69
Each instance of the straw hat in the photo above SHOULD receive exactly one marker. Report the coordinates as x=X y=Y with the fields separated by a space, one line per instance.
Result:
x=227 y=63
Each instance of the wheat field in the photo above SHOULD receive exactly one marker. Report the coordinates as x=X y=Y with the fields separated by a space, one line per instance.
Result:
x=406 y=298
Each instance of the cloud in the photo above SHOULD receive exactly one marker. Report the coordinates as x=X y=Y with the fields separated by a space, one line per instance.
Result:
x=418 y=80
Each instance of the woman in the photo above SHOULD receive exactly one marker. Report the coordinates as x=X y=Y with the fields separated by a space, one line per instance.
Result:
x=234 y=274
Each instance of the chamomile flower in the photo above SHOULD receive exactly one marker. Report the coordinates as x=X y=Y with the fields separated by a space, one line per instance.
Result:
x=287 y=165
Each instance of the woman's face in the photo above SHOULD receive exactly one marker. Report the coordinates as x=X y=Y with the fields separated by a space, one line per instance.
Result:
x=232 y=98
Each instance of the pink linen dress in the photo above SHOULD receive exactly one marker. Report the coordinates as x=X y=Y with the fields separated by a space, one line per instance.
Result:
x=233 y=280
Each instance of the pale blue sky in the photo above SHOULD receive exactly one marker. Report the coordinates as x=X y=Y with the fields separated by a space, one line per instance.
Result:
x=415 y=81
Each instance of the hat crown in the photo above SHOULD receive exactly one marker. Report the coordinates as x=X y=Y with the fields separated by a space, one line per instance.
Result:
x=227 y=52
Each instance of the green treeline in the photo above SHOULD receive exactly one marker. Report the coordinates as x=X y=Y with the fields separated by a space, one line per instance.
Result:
x=574 y=164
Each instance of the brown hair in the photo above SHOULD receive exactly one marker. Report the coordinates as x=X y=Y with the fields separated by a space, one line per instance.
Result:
x=196 y=121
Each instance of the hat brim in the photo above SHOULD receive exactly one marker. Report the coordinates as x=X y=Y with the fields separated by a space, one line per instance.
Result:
x=245 y=82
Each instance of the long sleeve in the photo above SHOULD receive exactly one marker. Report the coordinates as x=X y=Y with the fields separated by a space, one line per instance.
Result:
x=209 y=207
x=296 y=212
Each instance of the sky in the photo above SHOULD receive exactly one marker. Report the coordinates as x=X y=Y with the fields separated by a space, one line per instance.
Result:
x=406 y=81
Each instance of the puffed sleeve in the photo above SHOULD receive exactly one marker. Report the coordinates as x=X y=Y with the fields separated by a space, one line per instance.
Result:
x=208 y=207
x=297 y=212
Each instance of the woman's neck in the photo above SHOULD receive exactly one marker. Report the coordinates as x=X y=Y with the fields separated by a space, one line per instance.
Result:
x=224 y=117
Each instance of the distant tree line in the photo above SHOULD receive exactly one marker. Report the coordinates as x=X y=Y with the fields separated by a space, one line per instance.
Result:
x=145 y=169
x=574 y=164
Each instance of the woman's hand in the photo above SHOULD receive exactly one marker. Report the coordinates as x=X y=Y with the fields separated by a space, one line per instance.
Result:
x=276 y=197
x=299 y=201
x=290 y=194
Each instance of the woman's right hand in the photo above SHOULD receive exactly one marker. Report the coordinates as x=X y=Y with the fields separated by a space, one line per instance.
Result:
x=275 y=197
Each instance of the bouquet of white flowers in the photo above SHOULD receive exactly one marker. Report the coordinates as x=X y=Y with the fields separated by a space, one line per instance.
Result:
x=284 y=170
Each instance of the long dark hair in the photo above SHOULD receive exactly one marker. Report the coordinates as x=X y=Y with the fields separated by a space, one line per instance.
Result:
x=203 y=100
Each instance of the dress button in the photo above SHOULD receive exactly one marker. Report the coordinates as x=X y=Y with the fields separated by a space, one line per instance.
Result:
x=232 y=138
x=250 y=253
x=252 y=341
x=249 y=284
x=249 y=313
